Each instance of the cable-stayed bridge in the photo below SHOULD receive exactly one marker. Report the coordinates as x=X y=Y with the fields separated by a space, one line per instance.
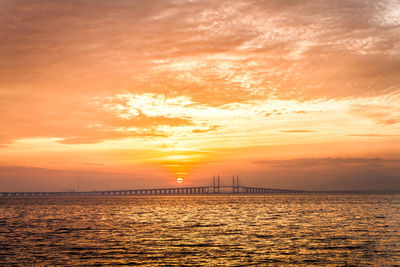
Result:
x=215 y=188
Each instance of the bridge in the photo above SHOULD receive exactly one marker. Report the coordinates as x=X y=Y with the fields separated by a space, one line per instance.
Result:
x=235 y=188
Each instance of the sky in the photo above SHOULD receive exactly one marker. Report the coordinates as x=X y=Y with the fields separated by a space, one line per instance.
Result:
x=119 y=94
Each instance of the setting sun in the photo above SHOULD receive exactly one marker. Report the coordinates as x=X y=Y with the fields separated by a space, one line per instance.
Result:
x=179 y=180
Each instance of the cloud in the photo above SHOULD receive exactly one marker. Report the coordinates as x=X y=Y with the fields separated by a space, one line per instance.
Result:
x=336 y=173
x=374 y=135
x=345 y=178
x=21 y=178
x=212 y=52
x=107 y=136
x=84 y=119
x=297 y=131
x=385 y=111
x=330 y=162
x=212 y=128
x=77 y=119
x=93 y=163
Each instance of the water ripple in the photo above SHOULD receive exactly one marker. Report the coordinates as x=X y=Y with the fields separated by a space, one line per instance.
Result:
x=201 y=230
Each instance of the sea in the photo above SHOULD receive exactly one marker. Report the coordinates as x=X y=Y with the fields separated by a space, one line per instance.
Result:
x=201 y=230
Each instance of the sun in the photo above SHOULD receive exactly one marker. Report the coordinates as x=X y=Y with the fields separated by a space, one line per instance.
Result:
x=179 y=180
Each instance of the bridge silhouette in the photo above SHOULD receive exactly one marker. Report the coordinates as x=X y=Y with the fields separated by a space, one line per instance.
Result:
x=216 y=187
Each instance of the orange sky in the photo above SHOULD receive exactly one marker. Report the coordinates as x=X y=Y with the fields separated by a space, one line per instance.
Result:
x=116 y=94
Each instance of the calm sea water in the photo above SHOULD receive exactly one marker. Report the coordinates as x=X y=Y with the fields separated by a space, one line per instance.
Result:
x=221 y=230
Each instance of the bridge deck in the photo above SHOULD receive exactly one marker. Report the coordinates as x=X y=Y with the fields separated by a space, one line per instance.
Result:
x=160 y=191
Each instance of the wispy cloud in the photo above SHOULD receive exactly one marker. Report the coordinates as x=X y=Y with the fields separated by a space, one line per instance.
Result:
x=316 y=162
x=211 y=128
x=297 y=131
x=374 y=135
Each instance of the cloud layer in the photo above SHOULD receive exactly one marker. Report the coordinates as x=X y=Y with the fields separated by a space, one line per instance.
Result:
x=188 y=79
